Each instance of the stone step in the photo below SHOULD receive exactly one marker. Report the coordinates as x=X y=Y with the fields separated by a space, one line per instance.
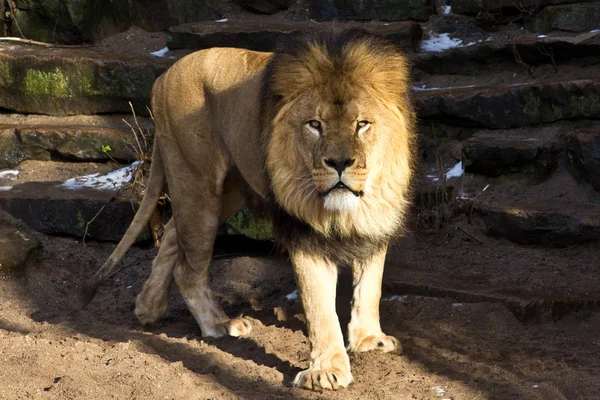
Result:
x=527 y=151
x=50 y=209
x=511 y=106
x=34 y=193
x=470 y=7
x=262 y=35
x=579 y=17
x=552 y=222
x=60 y=81
x=79 y=138
x=64 y=199
x=494 y=54
x=323 y=10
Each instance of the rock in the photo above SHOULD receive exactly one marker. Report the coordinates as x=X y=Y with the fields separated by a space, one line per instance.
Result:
x=58 y=81
x=512 y=106
x=263 y=36
x=159 y=15
x=472 y=7
x=18 y=247
x=582 y=17
x=486 y=55
x=77 y=21
x=54 y=210
x=77 y=143
x=551 y=223
x=495 y=153
x=246 y=224
x=381 y=10
x=584 y=154
x=264 y=6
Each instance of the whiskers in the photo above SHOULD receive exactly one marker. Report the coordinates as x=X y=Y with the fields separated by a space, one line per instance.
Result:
x=306 y=186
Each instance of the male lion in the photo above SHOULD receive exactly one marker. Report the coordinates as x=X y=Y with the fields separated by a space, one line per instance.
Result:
x=322 y=132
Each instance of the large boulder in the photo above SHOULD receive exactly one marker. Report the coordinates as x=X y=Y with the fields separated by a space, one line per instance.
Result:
x=58 y=81
x=77 y=21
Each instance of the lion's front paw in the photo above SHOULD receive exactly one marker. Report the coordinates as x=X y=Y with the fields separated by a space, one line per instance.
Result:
x=237 y=327
x=380 y=342
x=318 y=378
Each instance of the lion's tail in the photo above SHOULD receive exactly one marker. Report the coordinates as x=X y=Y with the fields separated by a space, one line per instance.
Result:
x=155 y=185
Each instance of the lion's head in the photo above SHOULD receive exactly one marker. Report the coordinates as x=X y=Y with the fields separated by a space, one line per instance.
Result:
x=339 y=132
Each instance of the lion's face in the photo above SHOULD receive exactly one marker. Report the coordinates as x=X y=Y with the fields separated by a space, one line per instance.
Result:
x=339 y=138
x=338 y=144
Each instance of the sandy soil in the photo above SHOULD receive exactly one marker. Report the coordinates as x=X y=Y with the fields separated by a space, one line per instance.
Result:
x=453 y=349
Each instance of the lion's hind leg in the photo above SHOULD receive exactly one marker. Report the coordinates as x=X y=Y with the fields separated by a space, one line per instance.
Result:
x=198 y=216
x=151 y=303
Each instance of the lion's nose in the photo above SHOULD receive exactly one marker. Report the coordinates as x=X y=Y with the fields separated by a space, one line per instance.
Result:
x=339 y=165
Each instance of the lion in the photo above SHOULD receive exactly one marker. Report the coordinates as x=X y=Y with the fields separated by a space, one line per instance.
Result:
x=321 y=134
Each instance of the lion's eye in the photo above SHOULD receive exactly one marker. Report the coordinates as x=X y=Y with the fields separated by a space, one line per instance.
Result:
x=315 y=126
x=362 y=126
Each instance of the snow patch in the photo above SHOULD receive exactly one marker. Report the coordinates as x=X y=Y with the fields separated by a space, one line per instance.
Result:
x=5 y=188
x=424 y=88
x=542 y=36
x=395 y=298
x=441 y=42
x=456 y=171
x=293 y=295
x=456 y=305
x=222 y=20
x=12 y=174
x=161 y=52
x=595 y=30
x=109 y=181
x=433 y=178
x=446 y=10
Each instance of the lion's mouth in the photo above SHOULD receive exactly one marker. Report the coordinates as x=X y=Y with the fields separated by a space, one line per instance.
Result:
x=341 y=186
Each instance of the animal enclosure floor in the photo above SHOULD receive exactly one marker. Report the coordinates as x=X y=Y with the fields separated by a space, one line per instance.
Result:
x=468 y=348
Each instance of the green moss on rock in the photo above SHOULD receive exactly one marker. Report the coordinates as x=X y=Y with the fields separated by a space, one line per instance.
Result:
x=5 y=76
x=245 y=223
x=54 y=83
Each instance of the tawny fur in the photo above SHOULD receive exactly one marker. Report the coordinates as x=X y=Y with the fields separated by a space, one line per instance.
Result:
x=213 y=148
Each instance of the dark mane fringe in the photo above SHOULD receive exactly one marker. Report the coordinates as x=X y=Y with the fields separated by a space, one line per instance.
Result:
x=334 y=40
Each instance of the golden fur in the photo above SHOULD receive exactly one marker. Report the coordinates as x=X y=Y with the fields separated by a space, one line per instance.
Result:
x=328 y=109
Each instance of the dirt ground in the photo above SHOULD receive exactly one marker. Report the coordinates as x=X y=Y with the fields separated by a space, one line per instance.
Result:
x=467 y=348
x=478 y=318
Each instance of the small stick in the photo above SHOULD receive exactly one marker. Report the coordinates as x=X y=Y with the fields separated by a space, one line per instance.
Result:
x=474 y=237
x=43 y=44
